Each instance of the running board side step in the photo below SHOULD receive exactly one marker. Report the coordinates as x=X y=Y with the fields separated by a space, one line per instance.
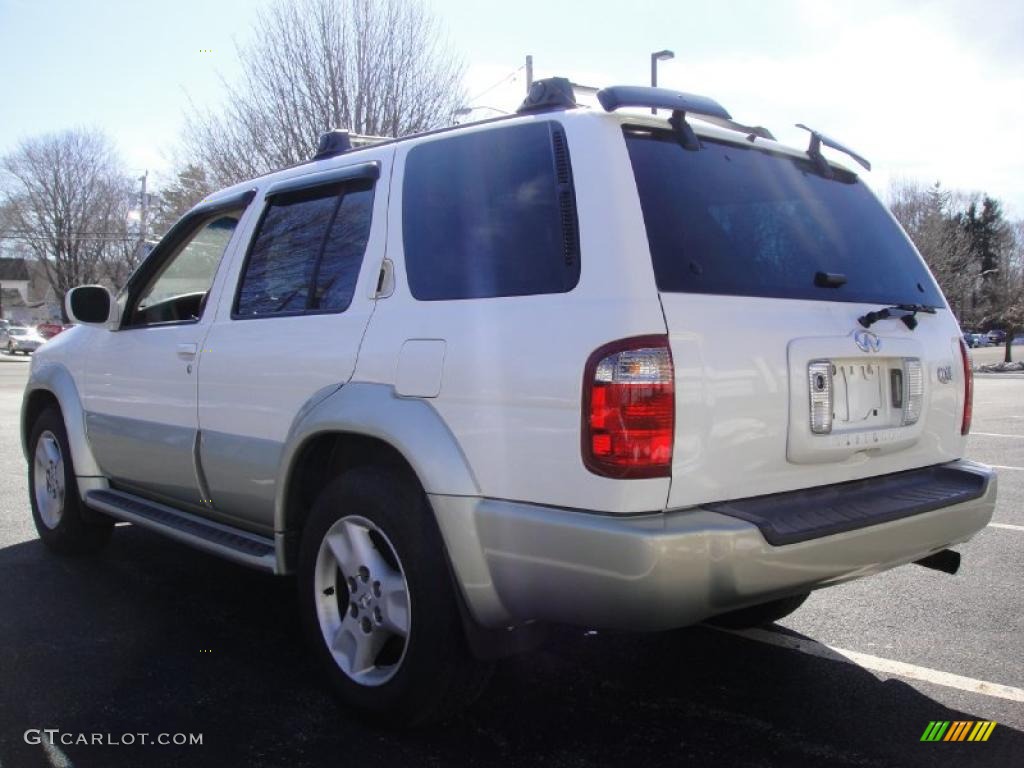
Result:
x=218 y=539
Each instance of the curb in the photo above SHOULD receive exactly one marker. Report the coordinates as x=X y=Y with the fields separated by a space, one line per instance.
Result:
x=1017 y=375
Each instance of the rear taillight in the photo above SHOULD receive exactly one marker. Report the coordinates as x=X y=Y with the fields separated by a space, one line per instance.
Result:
x=629 y=409
x=965 y=425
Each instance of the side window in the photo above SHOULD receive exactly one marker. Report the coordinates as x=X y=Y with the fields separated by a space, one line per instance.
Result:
x=177 y=292
x=307 y=252
x=490 y=214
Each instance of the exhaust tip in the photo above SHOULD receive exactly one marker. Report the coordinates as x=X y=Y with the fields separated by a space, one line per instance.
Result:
x=945 y=560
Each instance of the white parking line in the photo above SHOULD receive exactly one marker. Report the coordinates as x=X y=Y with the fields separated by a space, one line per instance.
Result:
x=1006 y=525
x=878 y=664
x=1000 y=466
x=996 y=434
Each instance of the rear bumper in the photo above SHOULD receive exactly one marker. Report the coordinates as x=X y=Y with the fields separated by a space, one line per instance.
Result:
x=520 y=562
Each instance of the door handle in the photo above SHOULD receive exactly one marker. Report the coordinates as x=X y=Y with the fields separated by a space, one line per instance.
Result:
x=187 y=351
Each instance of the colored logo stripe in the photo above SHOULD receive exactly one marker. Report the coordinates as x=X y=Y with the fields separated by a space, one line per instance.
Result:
x=935 y=730
x=958 y=730
x=984 y=732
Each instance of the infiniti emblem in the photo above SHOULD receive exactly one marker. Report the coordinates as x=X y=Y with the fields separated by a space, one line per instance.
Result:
x=866 y=341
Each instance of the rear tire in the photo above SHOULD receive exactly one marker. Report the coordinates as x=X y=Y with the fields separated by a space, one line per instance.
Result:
x=57 y=509
x=378 y=603
x=759 y=615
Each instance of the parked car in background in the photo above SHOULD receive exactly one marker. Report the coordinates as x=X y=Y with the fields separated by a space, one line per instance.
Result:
x=997 y=336
x=976 y=339
x=24 y=340
x=49 y=330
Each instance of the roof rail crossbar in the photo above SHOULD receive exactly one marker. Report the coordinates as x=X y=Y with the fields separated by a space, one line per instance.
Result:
x=619 y=96
x=814 y=151
x=680 y=103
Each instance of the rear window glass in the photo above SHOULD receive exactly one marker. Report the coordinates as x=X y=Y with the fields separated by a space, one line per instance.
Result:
x=491 y=214
x=736 y=220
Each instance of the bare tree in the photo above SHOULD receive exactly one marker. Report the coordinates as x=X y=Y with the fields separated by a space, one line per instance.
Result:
x=64 y=197
x=931 y=217
x=118 y=213
x=379 y=67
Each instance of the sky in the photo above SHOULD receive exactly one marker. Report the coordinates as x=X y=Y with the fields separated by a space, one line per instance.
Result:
x=931 y=90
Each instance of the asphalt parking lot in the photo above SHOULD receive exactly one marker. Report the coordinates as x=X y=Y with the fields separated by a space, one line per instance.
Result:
x=152 y=637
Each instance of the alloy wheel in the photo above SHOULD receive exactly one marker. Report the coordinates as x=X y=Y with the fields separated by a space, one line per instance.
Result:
x=362 y=600
x=48 y=479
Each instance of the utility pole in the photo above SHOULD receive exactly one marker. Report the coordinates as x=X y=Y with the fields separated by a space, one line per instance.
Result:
x=529 y=73
x=143 y=209
x=140 y=245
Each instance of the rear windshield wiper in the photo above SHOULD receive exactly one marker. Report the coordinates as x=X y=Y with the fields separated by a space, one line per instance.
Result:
x=905 y=312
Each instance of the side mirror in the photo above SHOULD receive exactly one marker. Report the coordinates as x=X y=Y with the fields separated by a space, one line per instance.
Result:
x=90 y=305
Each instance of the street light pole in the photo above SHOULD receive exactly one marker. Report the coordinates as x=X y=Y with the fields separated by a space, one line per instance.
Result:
x=655 y=58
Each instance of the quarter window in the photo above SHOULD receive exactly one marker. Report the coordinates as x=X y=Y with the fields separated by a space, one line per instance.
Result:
x=491 y=213
x=307 y=252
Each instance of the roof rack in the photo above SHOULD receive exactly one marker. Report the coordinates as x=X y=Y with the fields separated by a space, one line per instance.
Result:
x=680 y=103
x=619 y=96
x=339 y=141
x=549 y=94
x=814 y=150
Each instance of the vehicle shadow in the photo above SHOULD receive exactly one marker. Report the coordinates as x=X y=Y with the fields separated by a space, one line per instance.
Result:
x=152 y=637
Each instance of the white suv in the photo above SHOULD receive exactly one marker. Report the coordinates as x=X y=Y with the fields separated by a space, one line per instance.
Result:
x=568 y=366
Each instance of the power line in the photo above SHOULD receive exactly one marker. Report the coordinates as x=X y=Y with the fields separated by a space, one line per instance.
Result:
x=503 y=80
x=33 y=233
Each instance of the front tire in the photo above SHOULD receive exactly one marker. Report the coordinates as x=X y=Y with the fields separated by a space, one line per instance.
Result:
x=378 y=603
x=57 y=509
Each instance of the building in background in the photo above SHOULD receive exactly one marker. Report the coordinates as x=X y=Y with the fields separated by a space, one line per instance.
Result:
x=25 y=294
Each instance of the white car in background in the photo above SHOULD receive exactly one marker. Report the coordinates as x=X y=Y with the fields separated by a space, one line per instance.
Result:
x=22 y=339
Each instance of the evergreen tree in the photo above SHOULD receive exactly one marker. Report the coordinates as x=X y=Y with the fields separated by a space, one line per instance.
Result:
x=189 y=187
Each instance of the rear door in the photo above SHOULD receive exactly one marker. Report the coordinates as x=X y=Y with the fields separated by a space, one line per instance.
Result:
x=288 y=329
x=764 y=267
